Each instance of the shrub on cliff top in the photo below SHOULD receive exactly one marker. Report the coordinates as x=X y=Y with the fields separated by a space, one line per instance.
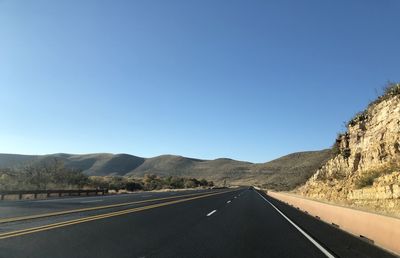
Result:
x=392 y=89
x=346 y=153
x=359 y=117
x=336 y=145
x=336 y=148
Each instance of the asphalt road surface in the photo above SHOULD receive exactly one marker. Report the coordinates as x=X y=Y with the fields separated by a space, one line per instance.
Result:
x=213 y=223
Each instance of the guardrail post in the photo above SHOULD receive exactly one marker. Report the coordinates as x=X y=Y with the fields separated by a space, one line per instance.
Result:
x=48 y=193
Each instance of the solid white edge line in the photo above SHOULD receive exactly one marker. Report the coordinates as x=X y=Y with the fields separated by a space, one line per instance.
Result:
x=211 y=213
x=322 y=249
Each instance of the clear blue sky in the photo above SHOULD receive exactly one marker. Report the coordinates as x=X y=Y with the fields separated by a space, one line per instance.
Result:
x=249 y=80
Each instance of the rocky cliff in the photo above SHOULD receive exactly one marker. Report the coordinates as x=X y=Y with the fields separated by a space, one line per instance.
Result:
x=365 y=170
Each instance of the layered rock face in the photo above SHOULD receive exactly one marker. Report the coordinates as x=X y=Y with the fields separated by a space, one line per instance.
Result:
x=384 y=188
x=365 y=169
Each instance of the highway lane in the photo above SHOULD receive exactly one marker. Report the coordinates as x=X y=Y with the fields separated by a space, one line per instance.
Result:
x=232 y=224
x=12 y=209
x=341 y=243
x=17 y=226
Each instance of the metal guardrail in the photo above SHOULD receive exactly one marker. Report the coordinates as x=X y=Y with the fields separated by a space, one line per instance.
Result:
x=48 y=193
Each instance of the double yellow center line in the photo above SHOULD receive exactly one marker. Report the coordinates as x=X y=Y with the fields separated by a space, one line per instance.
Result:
x=97 y=217
x=58 y=213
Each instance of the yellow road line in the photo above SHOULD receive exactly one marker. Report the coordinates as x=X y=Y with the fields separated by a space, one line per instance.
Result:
x=97 y=217
x=57 y=213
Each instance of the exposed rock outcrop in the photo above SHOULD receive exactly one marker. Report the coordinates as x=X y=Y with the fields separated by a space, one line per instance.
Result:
x=365 y=169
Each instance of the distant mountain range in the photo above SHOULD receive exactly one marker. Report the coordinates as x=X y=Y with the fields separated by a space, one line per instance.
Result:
x=283 y=173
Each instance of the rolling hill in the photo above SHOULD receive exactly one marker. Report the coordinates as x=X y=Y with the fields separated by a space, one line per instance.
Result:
x=283 y=173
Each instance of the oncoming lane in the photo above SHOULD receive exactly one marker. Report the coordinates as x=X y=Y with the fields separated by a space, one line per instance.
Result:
x=240 y=224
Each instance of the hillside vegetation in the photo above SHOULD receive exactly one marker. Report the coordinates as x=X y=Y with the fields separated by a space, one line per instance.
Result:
x=291 y=171
x=52 y=174
x=282 y=174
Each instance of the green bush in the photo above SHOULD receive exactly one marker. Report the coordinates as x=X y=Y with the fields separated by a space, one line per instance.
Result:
x=337 y=149
x=346 y=153
x=390 y=90
x=42 y=176
x=53 y=175
x=367 y=179
x=359 y=117
x=133 y=186
x=336 y=145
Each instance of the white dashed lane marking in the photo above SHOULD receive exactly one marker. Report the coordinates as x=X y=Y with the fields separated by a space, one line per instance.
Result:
x=211 y=213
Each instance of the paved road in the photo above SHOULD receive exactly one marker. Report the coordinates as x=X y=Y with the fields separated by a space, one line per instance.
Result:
x=30 y=207
x=227 y=223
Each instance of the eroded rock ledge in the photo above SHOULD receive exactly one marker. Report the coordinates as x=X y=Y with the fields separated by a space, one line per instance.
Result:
x=366 y=168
